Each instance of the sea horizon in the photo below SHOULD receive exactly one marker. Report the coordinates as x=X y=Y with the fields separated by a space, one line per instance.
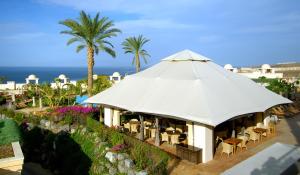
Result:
x=47 y=74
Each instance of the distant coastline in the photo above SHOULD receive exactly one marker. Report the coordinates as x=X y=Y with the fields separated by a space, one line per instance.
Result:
x=47 y=74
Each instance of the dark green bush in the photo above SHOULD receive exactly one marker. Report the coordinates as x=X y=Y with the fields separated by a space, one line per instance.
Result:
x=2 y=100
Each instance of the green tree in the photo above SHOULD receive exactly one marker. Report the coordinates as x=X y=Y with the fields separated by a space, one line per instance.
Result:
x=92 y=34
x=134 y=45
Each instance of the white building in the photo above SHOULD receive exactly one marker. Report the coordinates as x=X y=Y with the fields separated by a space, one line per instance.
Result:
x=254 y=73
x=115 y=77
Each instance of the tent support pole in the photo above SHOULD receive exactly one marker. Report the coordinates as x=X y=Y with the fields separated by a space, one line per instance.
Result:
x=157 y=140
x=141 y=137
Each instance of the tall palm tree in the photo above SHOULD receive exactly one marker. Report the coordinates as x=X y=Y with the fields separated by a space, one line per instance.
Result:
x=92 y=34
x=134 y=45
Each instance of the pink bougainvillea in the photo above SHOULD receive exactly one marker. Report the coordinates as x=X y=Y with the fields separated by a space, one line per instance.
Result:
x=76 y=110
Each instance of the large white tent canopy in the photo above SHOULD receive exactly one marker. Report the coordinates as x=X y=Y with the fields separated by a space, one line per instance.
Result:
x=191 y=87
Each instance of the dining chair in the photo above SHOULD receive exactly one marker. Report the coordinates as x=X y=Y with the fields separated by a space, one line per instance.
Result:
x=226 y=148
x=165 y=137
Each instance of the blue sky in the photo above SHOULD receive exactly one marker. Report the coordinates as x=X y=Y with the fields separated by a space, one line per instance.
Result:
x=239 y=32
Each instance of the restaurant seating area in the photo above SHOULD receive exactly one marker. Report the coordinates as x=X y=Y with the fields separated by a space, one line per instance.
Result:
x=171 y=131
x=235 y=135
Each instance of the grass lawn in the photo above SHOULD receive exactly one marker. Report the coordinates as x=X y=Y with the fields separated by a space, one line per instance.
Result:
x=9 y=132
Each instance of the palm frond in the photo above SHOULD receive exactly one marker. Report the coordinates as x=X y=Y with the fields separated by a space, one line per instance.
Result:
x=79 y=48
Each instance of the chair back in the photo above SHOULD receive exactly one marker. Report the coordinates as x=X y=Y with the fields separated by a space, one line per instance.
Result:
x=134 y=120
x=127 y=125
x=170 y=129
x=227 y=148
x=174 y=139
x=260 y=125
x=134 y=127
x=164 y=136
x=147 y=123
x=179 y=130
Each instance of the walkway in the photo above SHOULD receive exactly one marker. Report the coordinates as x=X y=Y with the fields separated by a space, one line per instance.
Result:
x=288 y=131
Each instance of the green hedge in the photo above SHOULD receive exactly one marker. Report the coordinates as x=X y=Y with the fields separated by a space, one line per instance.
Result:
x=9 y=131
x=2 y=100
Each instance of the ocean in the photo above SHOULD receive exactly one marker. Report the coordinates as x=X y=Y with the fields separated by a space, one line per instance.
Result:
x=47 y=74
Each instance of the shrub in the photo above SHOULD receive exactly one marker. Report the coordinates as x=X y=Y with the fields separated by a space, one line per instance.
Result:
x=2 y=100
x=19 y=117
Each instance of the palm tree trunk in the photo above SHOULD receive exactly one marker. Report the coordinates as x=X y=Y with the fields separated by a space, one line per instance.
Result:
x=137 y=62
x=90 y=60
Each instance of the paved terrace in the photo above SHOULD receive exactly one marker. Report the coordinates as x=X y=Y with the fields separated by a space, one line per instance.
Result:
x=288 y=131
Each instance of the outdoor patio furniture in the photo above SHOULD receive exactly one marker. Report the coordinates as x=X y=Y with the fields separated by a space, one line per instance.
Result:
x=134 y=127
x=147 y=132
x=179 y=130
x=261 y=131
x=147 y=123
x=243 y=143
x=234 y=142
x=272 y=128
x=127 y=126
x=254 y=136
x=152 y=132
x=249 y=129
x=170 y=129
x=227 y=148
x=165 y=137
x=174 y=139
x=134 y=120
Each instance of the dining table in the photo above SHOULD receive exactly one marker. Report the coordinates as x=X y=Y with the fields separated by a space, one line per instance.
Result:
x=260 y=131
x=234 y=142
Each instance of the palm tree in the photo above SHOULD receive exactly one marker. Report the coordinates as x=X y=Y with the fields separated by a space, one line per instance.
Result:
x=134 y=45
x=92 y=34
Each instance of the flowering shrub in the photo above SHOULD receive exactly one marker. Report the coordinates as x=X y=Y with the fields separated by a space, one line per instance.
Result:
x=78 y=113
x=76 y=110
x=118 y=148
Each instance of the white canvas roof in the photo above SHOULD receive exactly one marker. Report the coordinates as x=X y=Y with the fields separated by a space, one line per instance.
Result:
x=189 y=86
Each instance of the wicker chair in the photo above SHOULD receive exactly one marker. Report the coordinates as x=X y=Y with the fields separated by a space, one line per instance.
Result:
x=243 y=143
x=127 y=126
x=174 y=139
x=165 y=137
x=254 y=136
x=170 y=129
x=179 y=130
x=134 y=127
x=226 y=148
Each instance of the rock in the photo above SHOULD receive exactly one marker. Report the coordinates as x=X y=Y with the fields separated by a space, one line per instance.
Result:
x=112 y=171
x=112 y=157
x=141 y=173
x=120 y=156
x=64 y=128
x=42 y=122
x=128 y=163
x=47 y=124
x=122 y=168
x=130 y=172
x=73 y=131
